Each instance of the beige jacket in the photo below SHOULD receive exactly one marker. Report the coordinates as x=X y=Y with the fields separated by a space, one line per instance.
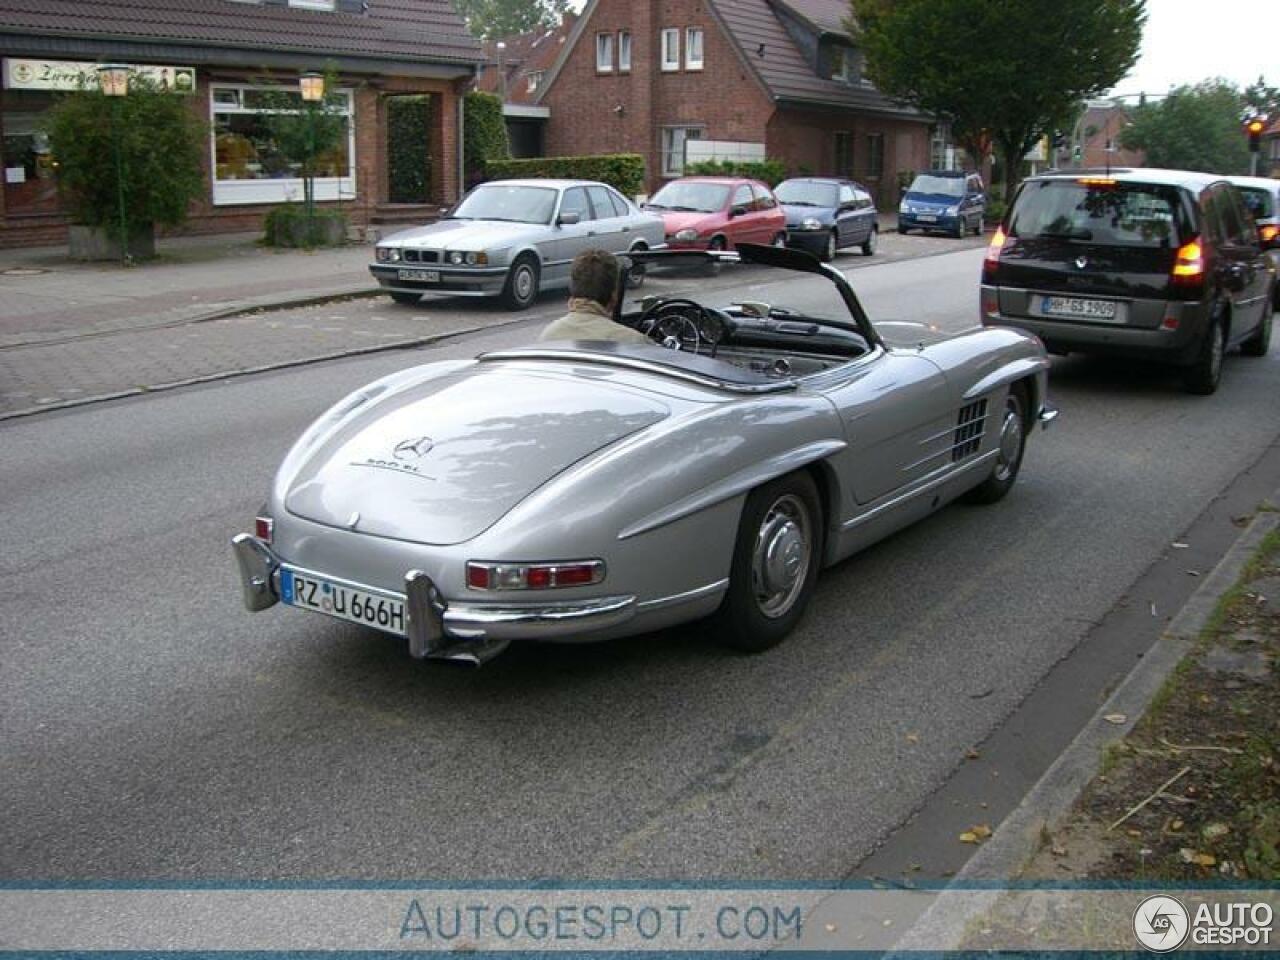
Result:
x=587 y=320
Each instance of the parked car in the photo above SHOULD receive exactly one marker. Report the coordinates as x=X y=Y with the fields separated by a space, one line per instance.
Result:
x=512 y=238
x=1157 y=264
x=948 y=200
x=824 y=215
x=1262 y=198
x=585 y=490
x=718 y=213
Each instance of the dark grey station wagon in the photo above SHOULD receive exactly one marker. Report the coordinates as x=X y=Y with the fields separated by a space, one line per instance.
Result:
x=1158 y=264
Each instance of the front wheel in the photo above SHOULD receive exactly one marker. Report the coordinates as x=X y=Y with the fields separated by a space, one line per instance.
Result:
x=1204 y=375
x=869 y=244
x=830 y=247
x=1012 y=444
x=775 y=564
x=521 y=288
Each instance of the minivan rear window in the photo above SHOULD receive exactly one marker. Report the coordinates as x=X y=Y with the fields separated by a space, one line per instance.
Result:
x=1118 y=214
x=1258 y=201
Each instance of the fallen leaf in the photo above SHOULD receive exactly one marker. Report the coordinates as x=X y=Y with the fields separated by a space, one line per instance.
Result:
x=1199 y=859
x=1194 y=573
x=1177 y=545
x=969 y=837
x=1116 y=718
x=1058 y=851
x=1133 y=833
x=972 y=754
x=831 y=928
x=1175 y=826
x=913 y=738
x=1213 y=831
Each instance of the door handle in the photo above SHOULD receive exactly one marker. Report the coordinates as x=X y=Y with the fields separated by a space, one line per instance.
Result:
x=626 y=229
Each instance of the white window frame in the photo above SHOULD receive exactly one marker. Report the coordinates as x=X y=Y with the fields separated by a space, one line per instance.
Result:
x=669 y=49
x=604 y=53
x=624 y=51
x=533 y=80
x=689 y=62
x=670 y=167
x=285 y=189
x=313 y=4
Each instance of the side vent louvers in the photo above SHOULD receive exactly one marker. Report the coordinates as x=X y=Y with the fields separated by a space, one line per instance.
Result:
x=970 y=426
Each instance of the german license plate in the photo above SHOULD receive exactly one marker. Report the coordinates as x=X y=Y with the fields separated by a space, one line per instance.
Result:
x=926 y=218
x=422 y=276
x=346 y=601
x=1078 y=308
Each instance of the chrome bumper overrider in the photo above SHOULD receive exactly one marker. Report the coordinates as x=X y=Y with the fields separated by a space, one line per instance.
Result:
x=438 y=629
x=1047 y=415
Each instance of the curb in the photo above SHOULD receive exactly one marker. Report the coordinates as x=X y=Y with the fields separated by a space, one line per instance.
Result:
x=1017 y=838
x=264 y=368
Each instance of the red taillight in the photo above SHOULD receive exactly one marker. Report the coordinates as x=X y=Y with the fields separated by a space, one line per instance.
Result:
x=1269 y=232
x=534 y=576
x=264 y=528
x=994 y=249
x=1188 y=267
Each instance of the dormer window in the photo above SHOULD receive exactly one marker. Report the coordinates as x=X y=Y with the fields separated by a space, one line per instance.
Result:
x=844 y=64
x=534 y=79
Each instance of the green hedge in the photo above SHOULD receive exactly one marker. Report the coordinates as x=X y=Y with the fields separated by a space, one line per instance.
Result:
x=622 y=171
x=408 y=156
x=772 y=172
x=484 y=133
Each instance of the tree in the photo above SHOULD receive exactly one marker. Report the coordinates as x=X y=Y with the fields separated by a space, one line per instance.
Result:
x=1261 y=100
x=147 y=145
x=1194 y=128
x=1003 y=72
x=484 y=138
x=502 y=18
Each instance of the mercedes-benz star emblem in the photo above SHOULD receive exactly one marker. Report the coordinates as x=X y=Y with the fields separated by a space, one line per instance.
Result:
x=413 y=449
x=1082 y=262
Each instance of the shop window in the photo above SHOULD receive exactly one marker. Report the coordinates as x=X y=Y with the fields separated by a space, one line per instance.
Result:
x=673 y=143
x=604 y=52
x=624 y=51
x=29 y=184
x=250 y=167
x=693 y=48
x=671 y=49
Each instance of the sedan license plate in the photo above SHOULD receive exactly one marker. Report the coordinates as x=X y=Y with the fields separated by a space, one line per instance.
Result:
x=345 y=601
x=1078 y=308
x=926 y=218
x=422 y=276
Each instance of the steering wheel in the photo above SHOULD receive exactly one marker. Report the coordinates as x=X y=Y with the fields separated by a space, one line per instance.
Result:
x=679 y=324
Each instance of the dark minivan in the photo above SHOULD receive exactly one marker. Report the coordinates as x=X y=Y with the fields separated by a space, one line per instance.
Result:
x=1157 y=264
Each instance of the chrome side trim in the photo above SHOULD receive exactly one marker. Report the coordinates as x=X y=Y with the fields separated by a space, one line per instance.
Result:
x=950 y=471
x=257 y=564
x=545 y=621
x=687 y=597
x=735 y=484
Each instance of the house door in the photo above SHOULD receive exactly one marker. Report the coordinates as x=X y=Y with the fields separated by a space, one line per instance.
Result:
x=409 y=119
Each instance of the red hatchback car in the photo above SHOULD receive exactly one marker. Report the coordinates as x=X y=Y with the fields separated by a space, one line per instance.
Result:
x=717 y=213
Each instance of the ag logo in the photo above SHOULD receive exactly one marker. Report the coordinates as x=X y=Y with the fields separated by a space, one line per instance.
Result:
x=1161 y=923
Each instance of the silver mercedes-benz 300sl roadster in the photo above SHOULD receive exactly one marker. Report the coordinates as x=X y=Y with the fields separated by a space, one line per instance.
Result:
x=587 y=490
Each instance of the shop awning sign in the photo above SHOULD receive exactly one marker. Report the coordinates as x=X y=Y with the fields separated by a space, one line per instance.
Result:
x=22 y=74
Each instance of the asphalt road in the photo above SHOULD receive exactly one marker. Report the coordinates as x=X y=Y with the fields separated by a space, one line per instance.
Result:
x=151 y=729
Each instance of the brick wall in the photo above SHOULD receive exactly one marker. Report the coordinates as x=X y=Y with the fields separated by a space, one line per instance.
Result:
x=723 y=98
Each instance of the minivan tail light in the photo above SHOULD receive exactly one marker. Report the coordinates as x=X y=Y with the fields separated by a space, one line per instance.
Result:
x=1188 y=266
x=1269 y=232
x=994 y=249
x=534 y=576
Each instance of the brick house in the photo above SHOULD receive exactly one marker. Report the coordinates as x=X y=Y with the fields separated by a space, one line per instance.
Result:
x=1098 y=136
x=755 y=78
x=515 y=69
x=220 y=55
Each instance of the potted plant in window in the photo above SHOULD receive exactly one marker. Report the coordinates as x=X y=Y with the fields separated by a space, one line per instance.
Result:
x=125 y=164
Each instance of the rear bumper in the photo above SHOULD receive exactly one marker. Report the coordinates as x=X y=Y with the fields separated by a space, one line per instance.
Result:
x=913 y=221
x=444 y=630
x=1176 y=345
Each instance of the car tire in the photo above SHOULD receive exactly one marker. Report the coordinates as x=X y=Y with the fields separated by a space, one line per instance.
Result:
x=869 y=244
x=635 y=277
x=903 y=230
x=830 y=247
x=1011 y=445
x=776 y=557
x=521 y=288
x=716 y=245
x=977 y=225
x=1204 y=375
x=1260 y=342
x=405 y=298
x=779 y=240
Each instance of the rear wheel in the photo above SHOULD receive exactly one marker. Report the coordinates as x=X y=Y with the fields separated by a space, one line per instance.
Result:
x=1203 y=376
x=405 y=298
x=716 y=245
x=637 y=273
x=869 y=244
x=779 y=240
x=1013 y=443
x=522 y=284
x=775 y=564
x=1260 y=342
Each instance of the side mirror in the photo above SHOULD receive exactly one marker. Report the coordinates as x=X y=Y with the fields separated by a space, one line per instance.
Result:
x=738 y=212
x=569 y=218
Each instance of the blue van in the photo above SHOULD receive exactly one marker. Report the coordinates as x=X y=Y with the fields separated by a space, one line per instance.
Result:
x=951 y=201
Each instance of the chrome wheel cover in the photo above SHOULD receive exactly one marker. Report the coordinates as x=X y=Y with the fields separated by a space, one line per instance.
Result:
x=780 y=558
x=522 y=283
x=831 y=246
x=871 y=241
x=1010 y=440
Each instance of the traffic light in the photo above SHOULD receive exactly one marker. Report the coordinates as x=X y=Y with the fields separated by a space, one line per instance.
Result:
x=1254 y=128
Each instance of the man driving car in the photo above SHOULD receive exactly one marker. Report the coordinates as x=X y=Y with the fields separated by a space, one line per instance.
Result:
x=594 y=289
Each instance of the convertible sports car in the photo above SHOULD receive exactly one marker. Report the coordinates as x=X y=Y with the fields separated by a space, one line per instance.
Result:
x=585 y=490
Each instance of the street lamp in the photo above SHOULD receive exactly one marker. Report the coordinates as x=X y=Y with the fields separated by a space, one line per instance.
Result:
x=311 y=85
x=113 y=81
x=502 y=69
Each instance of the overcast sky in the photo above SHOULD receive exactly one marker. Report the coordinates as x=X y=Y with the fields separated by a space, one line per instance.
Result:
x=1186 y=41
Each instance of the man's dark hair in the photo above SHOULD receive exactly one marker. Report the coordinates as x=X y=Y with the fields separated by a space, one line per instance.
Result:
x=594 y=276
